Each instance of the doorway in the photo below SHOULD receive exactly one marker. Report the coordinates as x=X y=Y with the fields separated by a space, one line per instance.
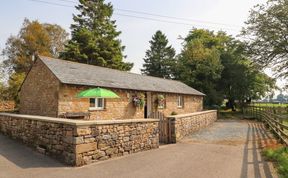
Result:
x=148 y=105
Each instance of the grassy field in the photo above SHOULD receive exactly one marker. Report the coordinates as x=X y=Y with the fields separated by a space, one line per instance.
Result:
x=270 y=104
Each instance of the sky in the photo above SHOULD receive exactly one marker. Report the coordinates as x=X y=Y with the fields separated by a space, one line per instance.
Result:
x=133 y=21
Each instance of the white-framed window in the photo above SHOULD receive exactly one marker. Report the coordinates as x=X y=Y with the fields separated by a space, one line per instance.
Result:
x=180 y=101
x=96 y=103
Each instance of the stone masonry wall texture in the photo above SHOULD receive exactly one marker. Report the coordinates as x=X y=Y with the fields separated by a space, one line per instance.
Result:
x=122 y=108
x=39 y=92
x=186 y=124
x=84 y=143
x=43 y=94
x=115 y=108
x=192 y=103
x=102 y=142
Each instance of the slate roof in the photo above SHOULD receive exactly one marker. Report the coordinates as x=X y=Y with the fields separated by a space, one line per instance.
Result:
x=82 y=74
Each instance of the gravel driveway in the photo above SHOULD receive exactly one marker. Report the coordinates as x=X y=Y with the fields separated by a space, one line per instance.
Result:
x=227 y=149
x=230 y=131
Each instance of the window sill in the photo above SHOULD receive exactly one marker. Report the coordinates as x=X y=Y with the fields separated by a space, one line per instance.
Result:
x=180 y=107
x=96 y=109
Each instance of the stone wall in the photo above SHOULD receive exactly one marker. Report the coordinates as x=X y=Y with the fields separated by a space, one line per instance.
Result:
x=101 y=142
x=192 y=103
x=121 y=108
x=185 y=124
x=78 y=142
x=39 y=92
x=115 y=108
x=7 y=105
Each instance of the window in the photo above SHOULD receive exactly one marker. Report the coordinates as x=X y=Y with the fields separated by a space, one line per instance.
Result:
x=180 y=102
x=96 y=103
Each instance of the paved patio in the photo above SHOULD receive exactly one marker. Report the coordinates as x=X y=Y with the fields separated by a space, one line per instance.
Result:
x=227 y=149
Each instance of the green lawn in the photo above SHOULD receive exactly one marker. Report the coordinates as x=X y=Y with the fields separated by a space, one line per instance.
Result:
x=228 y=114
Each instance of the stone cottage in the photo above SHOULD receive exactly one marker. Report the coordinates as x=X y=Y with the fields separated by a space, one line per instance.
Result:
x=51 y=86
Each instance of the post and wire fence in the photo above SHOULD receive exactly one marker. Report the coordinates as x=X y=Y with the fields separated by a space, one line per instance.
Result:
x=275 y=119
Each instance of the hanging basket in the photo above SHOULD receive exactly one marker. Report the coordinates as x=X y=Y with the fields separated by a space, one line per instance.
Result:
x=138 y=101
x=160 y=100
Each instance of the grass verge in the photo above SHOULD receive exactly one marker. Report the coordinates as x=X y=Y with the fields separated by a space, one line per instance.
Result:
x=280 y=157
x=228 y=114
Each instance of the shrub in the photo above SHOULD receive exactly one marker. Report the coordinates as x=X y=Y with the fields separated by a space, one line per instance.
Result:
x=280 y=157
x=173 y=113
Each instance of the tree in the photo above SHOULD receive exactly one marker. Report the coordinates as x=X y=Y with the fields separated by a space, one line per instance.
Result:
x=95 y=38
x=3 y=89
x=58 y=38
x=241 y=79
x=160 y=58
x=218 y=65
x=267 y=34
x=33 y=38
x=199 y=64
x=281 y=98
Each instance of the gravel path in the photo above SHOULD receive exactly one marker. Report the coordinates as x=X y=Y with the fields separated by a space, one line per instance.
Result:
x=221 y=131
x=227 y=149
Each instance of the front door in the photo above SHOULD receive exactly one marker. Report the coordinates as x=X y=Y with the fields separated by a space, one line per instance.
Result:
x=148 y=104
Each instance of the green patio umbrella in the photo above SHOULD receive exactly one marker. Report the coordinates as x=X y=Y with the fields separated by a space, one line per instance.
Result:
x=97 y=93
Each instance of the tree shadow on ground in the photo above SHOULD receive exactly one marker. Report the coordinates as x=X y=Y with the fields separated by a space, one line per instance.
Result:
x=252 y=159
x=23 y=156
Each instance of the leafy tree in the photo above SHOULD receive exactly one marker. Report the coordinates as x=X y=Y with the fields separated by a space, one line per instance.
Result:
x=241 y=79
x=58 y=38
x=33 y=38
x=14 y=83
x=267 y=34
x=219 y=66
x=160 y=58
x=3 y=93
x=281 y=98
x=95 y=38
x=199 y=64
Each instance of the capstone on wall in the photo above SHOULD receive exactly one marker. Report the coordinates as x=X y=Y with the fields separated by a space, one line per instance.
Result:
x=186 y=124
x=77 y=142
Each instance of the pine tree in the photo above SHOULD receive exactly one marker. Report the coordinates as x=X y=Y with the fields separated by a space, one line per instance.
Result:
x=160 y=58
x=95 y=38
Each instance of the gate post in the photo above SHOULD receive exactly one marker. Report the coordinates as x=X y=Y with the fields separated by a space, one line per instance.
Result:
x=172 y=131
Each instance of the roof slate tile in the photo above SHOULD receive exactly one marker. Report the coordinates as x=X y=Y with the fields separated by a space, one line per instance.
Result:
x=83 y=74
